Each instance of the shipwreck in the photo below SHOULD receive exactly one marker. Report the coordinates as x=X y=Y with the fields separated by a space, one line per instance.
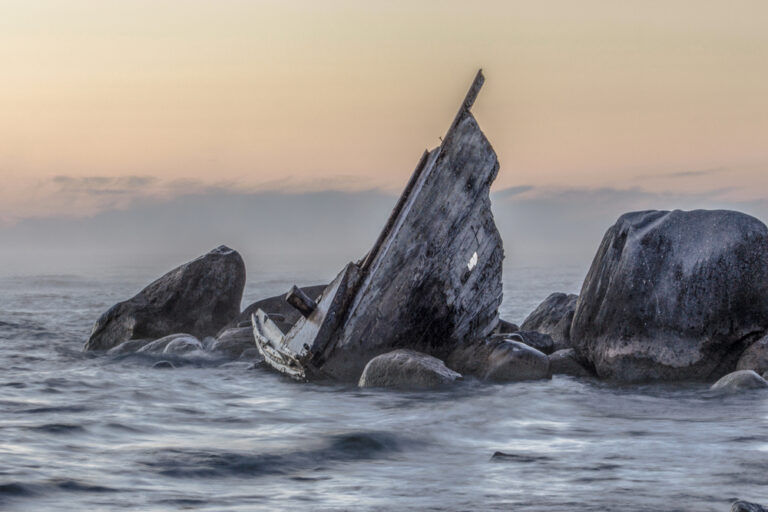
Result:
x=431 y=282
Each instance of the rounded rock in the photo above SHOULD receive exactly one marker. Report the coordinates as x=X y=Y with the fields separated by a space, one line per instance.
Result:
x=406 y=369
x=740 y=380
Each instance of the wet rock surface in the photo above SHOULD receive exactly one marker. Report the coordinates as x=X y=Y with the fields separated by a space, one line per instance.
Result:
x=553 y=317
x=129 y=347
x=406 y=369
x=198 y=297
x=740 y=380
x=179 y=343
x=500 y=361
x=674 y=296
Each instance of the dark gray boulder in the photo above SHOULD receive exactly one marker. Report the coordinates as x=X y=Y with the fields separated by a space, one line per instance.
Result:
x=739 y=380
x=565 y=362
x=232 y=343
x=198 y=297
x=553 y=317
x=745 y=506
x=500 y=360
x=406 y=369
x=673 y=296
x=283 y=314
x=755 y=357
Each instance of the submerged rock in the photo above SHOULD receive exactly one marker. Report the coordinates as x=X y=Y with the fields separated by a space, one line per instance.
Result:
x=185 y=345
x=738 y=380
x=673 y=295
x=163 y=364
x=553 y=317
x=745 y=506
x=755 y=357
x=406 y=369
x=232 y=343
x=565 y=362
x=198 y=297
x=159 y=346
x=500 y=361
x=129 y=347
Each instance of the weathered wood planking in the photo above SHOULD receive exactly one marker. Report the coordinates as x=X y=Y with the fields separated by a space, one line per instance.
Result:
x=431 y=282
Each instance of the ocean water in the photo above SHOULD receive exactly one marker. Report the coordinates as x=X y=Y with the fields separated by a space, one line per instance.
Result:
x=81 y=431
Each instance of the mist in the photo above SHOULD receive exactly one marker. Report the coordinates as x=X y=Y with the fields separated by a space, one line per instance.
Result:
x=314 y=234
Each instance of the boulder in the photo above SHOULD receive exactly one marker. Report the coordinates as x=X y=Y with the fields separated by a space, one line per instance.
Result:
x=158 y=346
x=565 y=362
x=233 y=342
x=198 y=297
x=500 y=360
x=406 y=369
x=738 y=380
x=673 y=296
x=745 y=506
x=755 y=357
x=283 y=314
x=553 y=317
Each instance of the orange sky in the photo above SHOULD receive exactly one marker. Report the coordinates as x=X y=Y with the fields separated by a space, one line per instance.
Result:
x=667 y=96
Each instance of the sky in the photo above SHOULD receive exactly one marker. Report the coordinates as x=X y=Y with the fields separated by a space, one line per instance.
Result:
x=146 y=114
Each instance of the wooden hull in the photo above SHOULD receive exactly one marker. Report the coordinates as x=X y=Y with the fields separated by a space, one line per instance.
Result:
x=431 y=282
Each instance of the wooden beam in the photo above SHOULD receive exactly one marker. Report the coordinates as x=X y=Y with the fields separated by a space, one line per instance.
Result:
x=301 y=301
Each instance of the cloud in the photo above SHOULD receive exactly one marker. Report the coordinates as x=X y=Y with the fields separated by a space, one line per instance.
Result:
x=514 y=191
x=104 y=184
x=684 y=174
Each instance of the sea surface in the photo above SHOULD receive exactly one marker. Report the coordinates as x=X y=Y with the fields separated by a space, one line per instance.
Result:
x=83 y=431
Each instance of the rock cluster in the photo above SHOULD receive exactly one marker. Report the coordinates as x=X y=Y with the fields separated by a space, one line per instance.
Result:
x=670 y=296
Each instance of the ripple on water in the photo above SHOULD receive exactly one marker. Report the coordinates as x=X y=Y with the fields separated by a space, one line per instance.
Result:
x=58 y=428
x=353 y=446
